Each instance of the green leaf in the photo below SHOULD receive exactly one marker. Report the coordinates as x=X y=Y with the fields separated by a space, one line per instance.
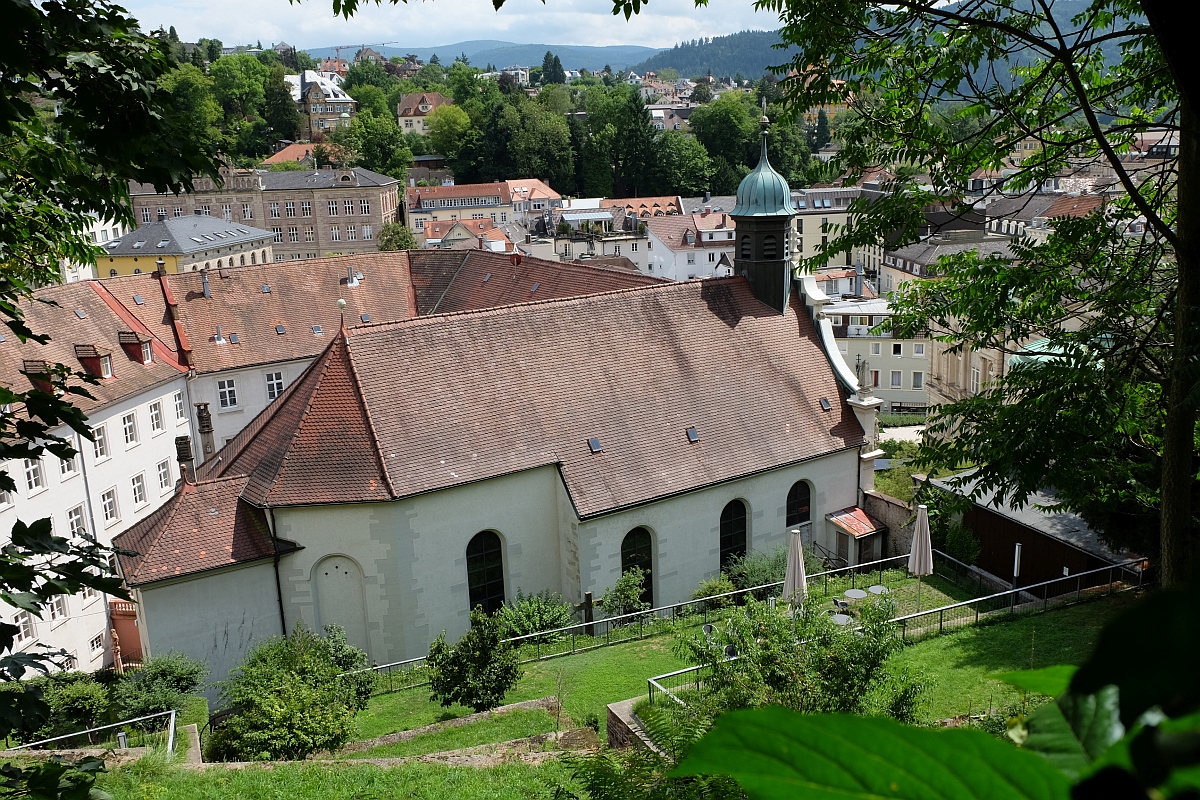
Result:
x=1051 y=681
x=1075 y=730
x=775 y=753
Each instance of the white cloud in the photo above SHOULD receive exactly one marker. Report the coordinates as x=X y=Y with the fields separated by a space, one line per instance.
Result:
x=436 y=22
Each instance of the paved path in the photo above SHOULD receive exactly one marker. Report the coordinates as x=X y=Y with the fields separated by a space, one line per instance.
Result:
x=909 y=433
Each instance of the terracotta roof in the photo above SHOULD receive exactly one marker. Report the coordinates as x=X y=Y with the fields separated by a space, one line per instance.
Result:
x=203 y=526
x=416 y=195
x=1074 y=206
x=439 y=229
x=531 y=384
x=293 y=152
x=855 y=521
x=672 y=231
x=99 y=327
x=645 y=206
x=410 y=104
x=531 y=189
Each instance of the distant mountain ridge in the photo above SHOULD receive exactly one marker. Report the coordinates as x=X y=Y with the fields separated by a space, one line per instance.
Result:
x=482 y=52
x=750 y=53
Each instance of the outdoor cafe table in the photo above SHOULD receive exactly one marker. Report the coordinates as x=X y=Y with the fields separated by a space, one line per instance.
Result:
x=855 y=594
x=840 y=619
x=877 y=589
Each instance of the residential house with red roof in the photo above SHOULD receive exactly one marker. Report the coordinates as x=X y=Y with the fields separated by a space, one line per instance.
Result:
x=413 y=110
x=424 y=204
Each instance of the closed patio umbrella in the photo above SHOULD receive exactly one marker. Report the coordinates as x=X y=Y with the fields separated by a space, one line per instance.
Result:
x=920 y=559
x=795 y=582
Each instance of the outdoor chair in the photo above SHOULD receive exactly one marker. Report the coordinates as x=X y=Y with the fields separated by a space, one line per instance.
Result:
x=841 y=605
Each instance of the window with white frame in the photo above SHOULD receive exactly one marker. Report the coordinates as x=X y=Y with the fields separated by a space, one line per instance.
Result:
x=293 y=233
x=334 y=234
x=897 y=379
x=87 y=593
x=305 y=208
x=146 y=215
x=58 y=607
x=351 y=233
x=227 y=211
x=278 y=237
x=69 y=466
x=77 y=522
x=918 y=349
x=6 y=498
x=164 y=474
x=897 y=348
x=974 y=379
x=100 y=441
x=918 y=381
x=226 y=393
x=156 y=417
x=876 y=348
x=289 y=208
x=24 y=624
x=367 y=233
x=108 y=505
x=138 y=483
x=310 y=233
x=180 y=412
x=273 y=210
x=364 y=207
x=34 y=479
x=348 y=207
x=274 y=385
x=333 y=208
x=97 y=643
x=247 y=211
x=129 y=428
x=106 y=367
x=147 y=353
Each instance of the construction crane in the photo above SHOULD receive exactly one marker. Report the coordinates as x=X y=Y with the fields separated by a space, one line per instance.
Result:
x=339 y=48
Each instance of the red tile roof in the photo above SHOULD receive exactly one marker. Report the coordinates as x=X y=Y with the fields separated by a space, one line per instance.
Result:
x=1074 y=206
x=489 y=393
x=855 y=521
x=204 y=526
x=410 y=104
x=418 y=195
x=293 y=152
x=646 y=206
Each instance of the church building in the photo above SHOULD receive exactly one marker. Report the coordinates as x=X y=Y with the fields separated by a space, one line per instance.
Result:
x=422 y=467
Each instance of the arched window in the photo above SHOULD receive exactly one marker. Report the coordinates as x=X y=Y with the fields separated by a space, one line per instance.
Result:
x=253 y=257
x=206 y=265
x=485 y=571
x=636 y=551
x=243 y=260
x=264 y=256
x=112 y=273
x=220 y=262
x=733 y=531
x=747 y=248
x=137 y=271
x=798 y=511
x=769 y=247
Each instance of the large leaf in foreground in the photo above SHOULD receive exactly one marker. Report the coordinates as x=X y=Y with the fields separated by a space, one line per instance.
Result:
x=775 y=753
x=1050 y=681
x=1075 y=730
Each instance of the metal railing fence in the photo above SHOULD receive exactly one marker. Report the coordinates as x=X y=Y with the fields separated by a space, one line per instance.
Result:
x=1035 y=598
x=125 y=734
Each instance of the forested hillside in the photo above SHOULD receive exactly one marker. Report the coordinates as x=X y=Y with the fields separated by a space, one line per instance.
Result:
x=748 y=53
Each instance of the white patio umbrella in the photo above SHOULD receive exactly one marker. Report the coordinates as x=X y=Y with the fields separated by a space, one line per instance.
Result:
x=920 y=559
x=795 y=582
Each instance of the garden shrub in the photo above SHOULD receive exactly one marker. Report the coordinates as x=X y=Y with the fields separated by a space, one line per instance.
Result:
x=709 y=587
x=478 y=670
x=960 y=542
x=625 y=597
x=758 y=568
x=532 y=613
x=352 y=665
x=163 y=683
x=77 y=702
x=288 y=699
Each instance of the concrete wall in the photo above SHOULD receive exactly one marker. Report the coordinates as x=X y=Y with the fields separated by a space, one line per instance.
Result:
x=216 y=618
x=251 y=388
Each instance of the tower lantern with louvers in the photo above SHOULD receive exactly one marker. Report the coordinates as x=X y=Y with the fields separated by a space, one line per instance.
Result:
x=763 y=215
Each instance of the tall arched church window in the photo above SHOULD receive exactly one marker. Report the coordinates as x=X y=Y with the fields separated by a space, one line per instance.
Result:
x=485 y=571
x=798 y=510
x=733 y=531
x=637 y=551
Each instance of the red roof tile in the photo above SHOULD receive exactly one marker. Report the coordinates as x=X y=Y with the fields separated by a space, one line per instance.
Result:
x=204 y=526
x=1074 y=206
x=293 y=152
x=855 y=521
x=410 y=104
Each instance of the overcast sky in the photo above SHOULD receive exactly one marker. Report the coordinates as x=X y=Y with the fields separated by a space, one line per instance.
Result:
x=662 y=23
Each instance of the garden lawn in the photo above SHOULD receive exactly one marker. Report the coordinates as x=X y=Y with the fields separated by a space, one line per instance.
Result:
x=516 y=724
x=151 y=778
x=587 y=682
x=961 y=665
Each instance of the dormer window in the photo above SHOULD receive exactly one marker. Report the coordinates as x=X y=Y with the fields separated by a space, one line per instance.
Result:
x=106 y=367
x=147 y=353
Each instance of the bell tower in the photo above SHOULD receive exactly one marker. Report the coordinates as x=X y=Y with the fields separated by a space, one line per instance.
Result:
x=763 y=215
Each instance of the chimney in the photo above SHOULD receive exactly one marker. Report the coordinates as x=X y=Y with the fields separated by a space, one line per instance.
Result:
x=220 y=337
x=707 y=210
x=351 y=279
x=187 y=463
x=724 y=220
x=482 y=242
x=529 y=238
x=204 y=283
x=205 y=426
x=708 y=197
